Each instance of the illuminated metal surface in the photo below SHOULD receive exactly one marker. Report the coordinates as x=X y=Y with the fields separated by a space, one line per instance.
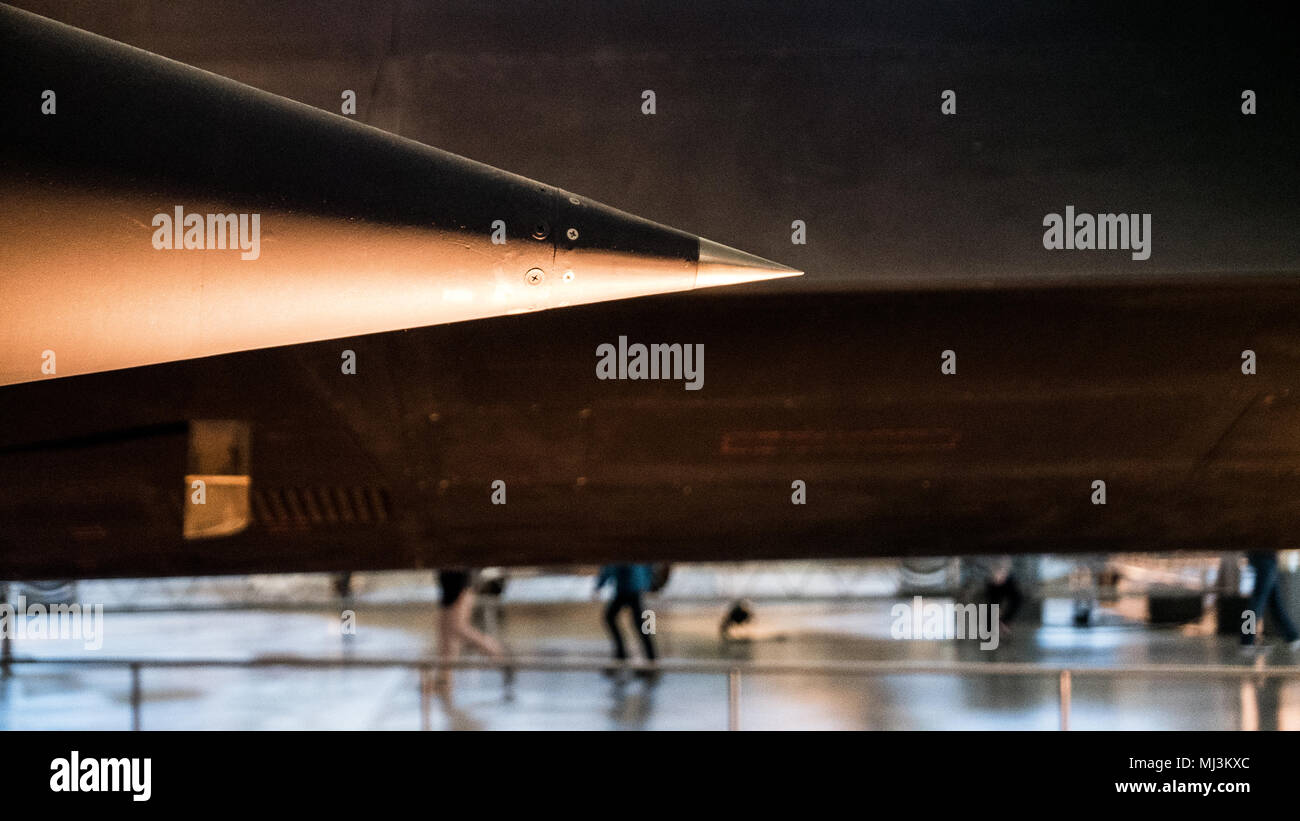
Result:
x=720 y=265
x=357 y=231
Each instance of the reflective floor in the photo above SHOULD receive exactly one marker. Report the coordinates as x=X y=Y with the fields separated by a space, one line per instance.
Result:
x=49 y=696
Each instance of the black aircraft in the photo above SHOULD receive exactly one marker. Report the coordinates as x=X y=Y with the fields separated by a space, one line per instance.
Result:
x=941 y=382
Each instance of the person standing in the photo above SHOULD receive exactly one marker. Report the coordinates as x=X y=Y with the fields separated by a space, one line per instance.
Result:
x=1267 y=595
x=630 y=582
x=1001 y=588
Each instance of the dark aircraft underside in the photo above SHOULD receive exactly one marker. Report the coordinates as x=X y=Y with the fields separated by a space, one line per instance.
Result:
x=1140 y=387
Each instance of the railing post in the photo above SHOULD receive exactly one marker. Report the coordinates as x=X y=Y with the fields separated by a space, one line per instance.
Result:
x=135 y=696
x=1249 y=705
x=1066 y=684
x=424 y=698
x=733 y=699
x=6 y=643
x=1249 y=678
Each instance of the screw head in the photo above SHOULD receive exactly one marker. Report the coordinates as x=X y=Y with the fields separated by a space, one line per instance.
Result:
x=534 y=276
x=572 y=233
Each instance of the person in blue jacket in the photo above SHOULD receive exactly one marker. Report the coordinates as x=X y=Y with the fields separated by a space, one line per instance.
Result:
x=630 y=581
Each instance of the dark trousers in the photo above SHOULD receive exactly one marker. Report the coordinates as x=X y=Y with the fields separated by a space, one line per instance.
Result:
x=631 y=601
x=1267 y=595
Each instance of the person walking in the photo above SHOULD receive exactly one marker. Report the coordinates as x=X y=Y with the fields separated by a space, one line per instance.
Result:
x=1267 y=595
x=454 y=625
x=630 y=582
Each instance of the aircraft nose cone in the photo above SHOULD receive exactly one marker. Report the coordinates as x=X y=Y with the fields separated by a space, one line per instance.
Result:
x=720 y=265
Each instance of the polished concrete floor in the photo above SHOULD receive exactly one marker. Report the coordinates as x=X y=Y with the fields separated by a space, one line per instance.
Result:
x=41 y=696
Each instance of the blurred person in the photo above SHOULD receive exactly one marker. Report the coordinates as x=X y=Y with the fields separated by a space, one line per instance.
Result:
x=630 y=582
x=738 y=614
x=343 y=585
x=488 y=610
x=1267 y=595
x=740 y=624
x=1001 y=588
x=454 y=623
x=1085 y=581
x=659 y=576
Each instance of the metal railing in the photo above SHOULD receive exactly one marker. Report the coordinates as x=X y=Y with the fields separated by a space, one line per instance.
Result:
x=734 y=671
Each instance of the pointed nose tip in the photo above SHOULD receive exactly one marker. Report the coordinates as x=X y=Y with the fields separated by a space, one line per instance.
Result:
x=720 y=265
